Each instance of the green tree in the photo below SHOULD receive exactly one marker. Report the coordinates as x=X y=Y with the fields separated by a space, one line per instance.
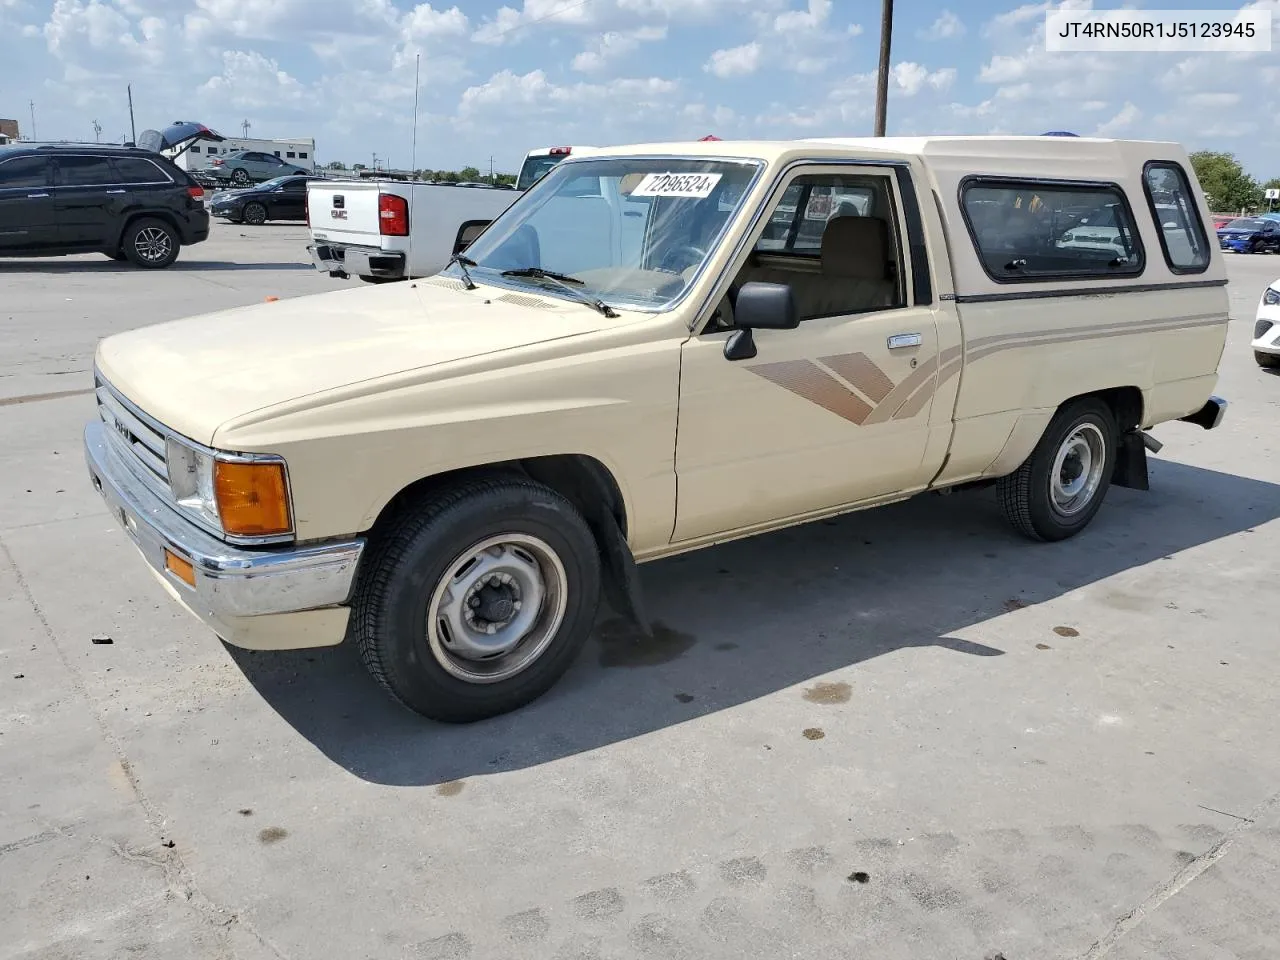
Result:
x=336 y=165
x=1226 y=185
x=469 y=173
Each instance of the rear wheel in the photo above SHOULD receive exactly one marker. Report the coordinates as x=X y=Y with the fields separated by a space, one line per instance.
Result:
x=255 y=214
x=150 y=243
x=1269 y=360
x=1060 y=487
x=240 y=176
x=478 y=600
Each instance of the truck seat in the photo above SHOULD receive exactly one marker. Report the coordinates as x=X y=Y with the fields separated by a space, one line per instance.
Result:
x=854 y=273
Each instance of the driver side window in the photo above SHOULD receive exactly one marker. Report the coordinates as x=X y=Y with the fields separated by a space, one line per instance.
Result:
x=834 y=240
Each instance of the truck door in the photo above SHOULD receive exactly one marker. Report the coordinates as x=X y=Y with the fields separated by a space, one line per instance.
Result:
x=836 y=411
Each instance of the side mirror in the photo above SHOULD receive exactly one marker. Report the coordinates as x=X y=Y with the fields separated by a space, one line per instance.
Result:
x=765 y=306
x=759 y=306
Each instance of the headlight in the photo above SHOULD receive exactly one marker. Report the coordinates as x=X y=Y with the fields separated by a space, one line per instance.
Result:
x=1272 y=297
x=244 y=497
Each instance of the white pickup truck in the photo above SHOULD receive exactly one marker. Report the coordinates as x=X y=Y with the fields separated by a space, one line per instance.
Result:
x=381 y=230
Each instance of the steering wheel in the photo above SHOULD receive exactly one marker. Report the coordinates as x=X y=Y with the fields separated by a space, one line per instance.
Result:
x=679 y=259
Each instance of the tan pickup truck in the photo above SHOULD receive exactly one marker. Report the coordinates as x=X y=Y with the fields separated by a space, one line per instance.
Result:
x=655 y=349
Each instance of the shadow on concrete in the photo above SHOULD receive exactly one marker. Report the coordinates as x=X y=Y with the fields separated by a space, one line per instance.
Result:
x=747 y=619
x=106 y=265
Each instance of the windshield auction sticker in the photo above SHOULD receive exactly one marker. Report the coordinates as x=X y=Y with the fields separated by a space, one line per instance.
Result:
x=1154 y=31
x=696 y=186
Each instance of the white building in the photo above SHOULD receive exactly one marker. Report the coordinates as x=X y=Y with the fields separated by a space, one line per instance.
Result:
x=301 y=151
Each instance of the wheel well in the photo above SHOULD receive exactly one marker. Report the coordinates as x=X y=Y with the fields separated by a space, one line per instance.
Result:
x=583 y=480
x=133 y=218
x=1125 y=403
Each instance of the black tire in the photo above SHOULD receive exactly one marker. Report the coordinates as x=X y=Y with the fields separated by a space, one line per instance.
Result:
x=1027 y=494
x=240 y=177
x=118 y=256
x=254 y=214
x=406 y=572
x=150 y=243
x=1269 y=360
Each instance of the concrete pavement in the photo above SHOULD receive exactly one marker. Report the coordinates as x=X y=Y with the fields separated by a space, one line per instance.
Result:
x=904 y=733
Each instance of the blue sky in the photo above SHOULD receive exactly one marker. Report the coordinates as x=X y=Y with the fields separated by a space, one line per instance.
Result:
x=500 y=79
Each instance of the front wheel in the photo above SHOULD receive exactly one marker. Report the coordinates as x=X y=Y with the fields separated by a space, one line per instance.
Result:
x=478 y=600
x=1060 y=487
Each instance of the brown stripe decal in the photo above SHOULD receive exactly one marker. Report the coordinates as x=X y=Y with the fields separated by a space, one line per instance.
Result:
x=806 y=379
x=861 y=371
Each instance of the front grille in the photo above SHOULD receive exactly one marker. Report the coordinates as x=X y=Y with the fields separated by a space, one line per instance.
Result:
x=1261 y=327
x=133 y=435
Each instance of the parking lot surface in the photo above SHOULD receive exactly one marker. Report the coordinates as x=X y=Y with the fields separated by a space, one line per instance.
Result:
x=902 y=733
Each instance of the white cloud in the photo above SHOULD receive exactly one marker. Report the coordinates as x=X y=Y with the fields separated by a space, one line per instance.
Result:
x=734 y=62
x=803 y=21
x=911 y=78
x=946 y=27
x=249 y=79
x=1122 y=121
x=606 y=47
x=507 y=92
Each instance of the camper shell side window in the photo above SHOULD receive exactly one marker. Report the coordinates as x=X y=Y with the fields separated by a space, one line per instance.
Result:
x=1027 y=230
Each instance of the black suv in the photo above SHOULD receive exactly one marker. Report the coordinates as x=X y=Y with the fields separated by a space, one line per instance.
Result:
x=127 y=202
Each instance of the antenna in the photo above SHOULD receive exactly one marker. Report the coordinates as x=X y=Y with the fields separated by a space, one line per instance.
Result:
x=133 y=128
x=413 y=162
x=97 y=132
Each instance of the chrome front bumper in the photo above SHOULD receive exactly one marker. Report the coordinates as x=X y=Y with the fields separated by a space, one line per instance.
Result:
x=231 y=582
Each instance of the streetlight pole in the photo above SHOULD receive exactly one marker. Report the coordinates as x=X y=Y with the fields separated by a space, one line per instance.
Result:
x=882 y=77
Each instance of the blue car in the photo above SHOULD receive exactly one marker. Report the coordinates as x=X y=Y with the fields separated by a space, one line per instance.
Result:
x=1250 y=235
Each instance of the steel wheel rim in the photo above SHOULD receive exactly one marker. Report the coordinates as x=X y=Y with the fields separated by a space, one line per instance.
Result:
x=497 y=608
x=1077 y=470
x=152 y=244
x=255 y=214
x=240 y=177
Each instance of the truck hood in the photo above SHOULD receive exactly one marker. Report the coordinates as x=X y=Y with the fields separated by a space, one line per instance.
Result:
x=196 y=374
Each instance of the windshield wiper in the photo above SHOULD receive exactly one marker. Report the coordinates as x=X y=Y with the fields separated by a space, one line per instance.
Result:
x=463 y=263
x=565 y=282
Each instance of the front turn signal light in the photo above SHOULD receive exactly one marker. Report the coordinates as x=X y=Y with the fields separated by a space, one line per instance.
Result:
x=253 y=498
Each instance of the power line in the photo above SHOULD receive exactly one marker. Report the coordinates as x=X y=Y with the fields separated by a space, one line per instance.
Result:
x=529 y=23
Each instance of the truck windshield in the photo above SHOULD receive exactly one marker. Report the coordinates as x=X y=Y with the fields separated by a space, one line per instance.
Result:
x=633 y=231
x=535 y=168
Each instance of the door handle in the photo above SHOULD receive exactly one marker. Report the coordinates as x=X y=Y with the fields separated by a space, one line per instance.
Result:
x=900 y=340
x=32 y=196
x=115 y=191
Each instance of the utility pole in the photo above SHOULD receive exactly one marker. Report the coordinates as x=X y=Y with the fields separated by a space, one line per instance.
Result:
x=492 y=178
x=32 y=105
x=882 y=78
x=133 y=127
x=244 y=128
x=97 y=132
x=375 y=161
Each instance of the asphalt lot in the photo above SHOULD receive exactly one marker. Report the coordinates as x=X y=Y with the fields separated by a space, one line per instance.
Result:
x=906 y=733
